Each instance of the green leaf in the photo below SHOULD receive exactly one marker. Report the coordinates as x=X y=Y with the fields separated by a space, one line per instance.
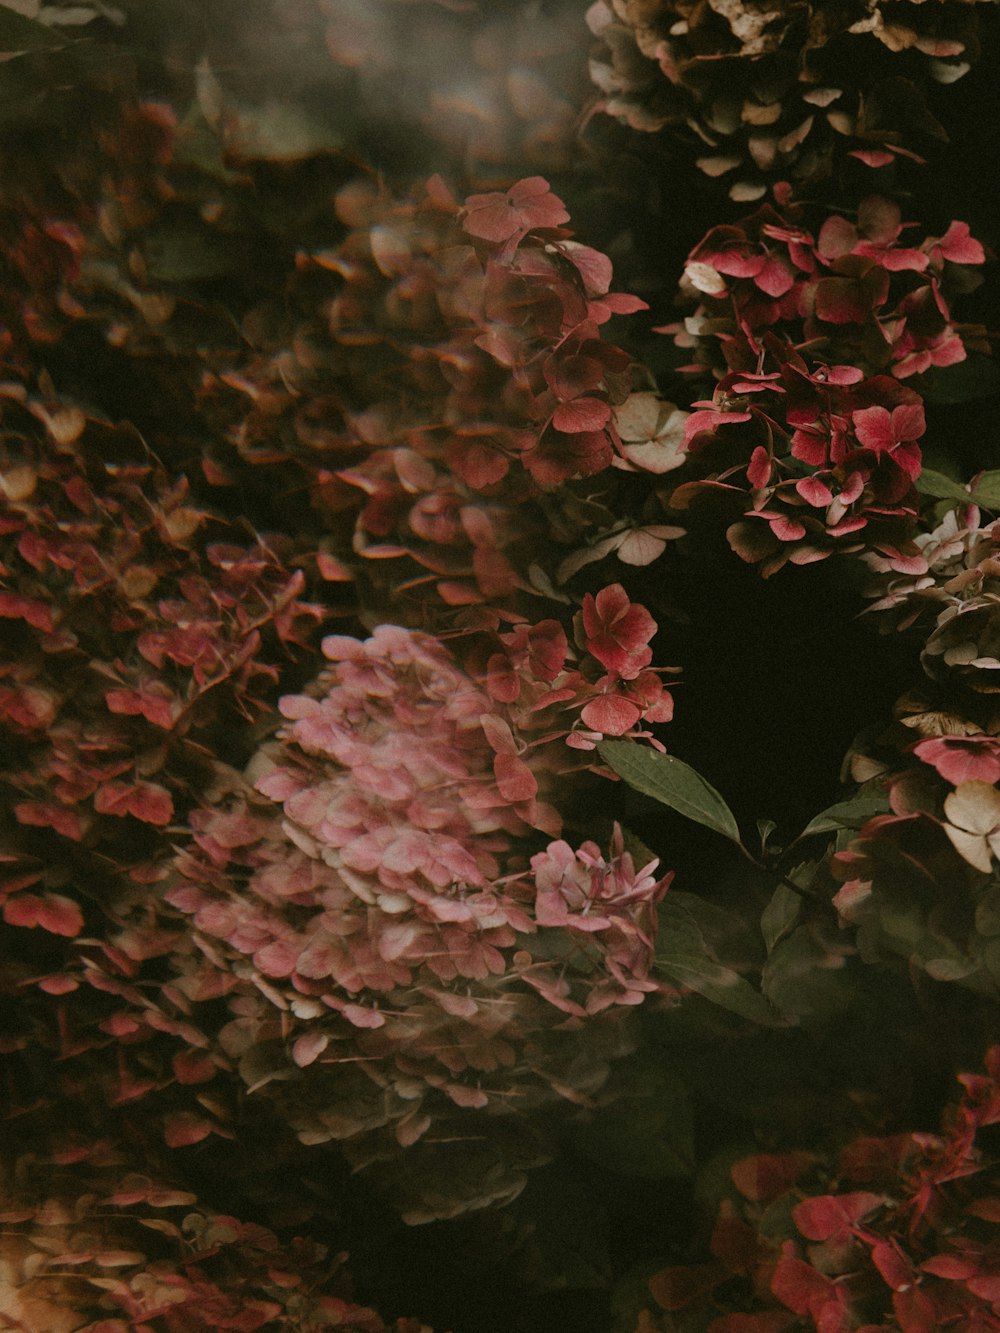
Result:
x=846 y=814
x=940 y=487
x=780 y=915
x=986 y=491
x=727 y=937
x=808 y=977
x=683 y=958
x=19 y=34
x=647 y=1132
x=765 y=827
x=672 y=782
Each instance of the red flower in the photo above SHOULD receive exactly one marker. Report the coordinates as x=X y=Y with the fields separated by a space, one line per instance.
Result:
x=892 y=433
x=617 y=631
x=499 y=217
x=956 y=245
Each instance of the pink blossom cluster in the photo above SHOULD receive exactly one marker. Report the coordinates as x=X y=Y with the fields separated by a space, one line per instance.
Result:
x=816 y=461
x=379 y=915
x=479 y=382
x=860 y=293
x=809 y=420
x=128 y=636
x=90 y=1246
x=612 y=691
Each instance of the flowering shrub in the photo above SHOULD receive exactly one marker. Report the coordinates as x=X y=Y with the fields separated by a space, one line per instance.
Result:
x=862 y=294
x=901 y=1237
x=380 y=927
x=502 y=388
x=312 y=962
x=960 y=590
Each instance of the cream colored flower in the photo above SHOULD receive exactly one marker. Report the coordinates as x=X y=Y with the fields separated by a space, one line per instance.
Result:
x=973 y=813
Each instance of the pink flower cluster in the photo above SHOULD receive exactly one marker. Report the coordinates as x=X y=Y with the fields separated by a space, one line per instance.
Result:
x=501 y=387
x=809 y=415
x=826 y=459
x=381 y=915
x=88 y=1244
x=128 y=636
x=961 y=590
x=612 y=691
x=858 y=293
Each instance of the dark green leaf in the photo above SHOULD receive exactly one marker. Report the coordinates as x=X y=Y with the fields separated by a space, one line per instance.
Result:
x=727 y=937
x=986 y=491
x=18 y=34
x=669 y=780
x=808 y=979
x=780 y=915
x=940 y=487
x=765 y=827
x=683 y=958
x=648 y=1131
x=846 y=814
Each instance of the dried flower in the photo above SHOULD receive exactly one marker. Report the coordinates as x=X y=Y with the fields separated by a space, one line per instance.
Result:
x=759 y=92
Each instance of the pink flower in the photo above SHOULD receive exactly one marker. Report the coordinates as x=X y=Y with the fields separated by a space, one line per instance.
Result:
x=957 y=245
x=527 y=205
x=962 y=758
x=585 y=892
x=617 y=631
x=893 y=434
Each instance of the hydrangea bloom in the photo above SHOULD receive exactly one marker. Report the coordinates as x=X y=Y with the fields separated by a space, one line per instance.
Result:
x=91 y=1244
x=379 y=922
x=129 y=637
x=962 y=590
x=867 y=295
x=458 y=379
x=765 y=93
x=811 y=339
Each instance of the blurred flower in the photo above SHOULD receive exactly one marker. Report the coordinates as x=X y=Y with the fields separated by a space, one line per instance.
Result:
x=757 y=93
x=381 y=906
